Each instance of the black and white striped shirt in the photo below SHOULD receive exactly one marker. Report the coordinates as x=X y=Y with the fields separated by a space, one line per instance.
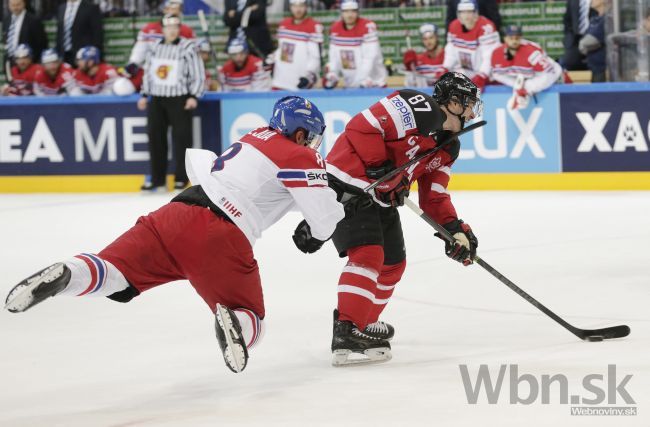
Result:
x=173 y=69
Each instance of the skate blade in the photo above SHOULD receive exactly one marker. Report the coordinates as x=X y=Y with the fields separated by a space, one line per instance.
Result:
x=341 y=358
x=21 y=297
x=234 y=354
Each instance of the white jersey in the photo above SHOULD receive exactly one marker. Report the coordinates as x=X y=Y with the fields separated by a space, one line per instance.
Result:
x=262 y=177
x=298 y=53
x=356 y=55
x=470 y=51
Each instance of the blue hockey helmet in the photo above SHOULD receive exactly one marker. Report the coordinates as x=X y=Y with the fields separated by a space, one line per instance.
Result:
x=237 y=45
x=88 y=53
x=292 y=113
x=23 y=51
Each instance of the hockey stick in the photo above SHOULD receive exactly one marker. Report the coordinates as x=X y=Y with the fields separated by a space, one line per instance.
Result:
x=619 y=331
x=206 y=33
x=416 y=159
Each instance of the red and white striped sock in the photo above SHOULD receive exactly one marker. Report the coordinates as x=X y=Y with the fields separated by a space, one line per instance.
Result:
x=388 y=278
x=358 y=282
x=252 y=326
x=92 y=276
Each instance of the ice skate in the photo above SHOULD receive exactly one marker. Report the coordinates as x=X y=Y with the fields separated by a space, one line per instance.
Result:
x=350 y=346
x=381 y=330
x=37 y=288
x=230 y=338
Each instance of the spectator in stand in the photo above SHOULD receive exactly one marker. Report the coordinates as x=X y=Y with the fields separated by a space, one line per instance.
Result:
x=424 y=69
x=79 y=23
x=524 y=66
x=22 y=74
x=22 y=27
x=150 y=34
x=592 y=44
x=297 y=59
x=247 y=20
x=205 y=51
x=354 y=51
x=243 y=72
x=470 y=41
x=93 y=76
x=487 y=8
x=54 y=77
x=576 y=23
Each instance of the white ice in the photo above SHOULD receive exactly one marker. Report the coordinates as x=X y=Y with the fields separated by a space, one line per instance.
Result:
x=155 y=361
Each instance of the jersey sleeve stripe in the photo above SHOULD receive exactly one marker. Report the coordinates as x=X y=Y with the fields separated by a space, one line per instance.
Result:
x=445 y=170
x=439 y=188
x=372 y=120
x=291 y=175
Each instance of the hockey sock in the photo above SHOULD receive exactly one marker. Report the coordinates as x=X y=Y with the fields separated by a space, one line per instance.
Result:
x=93 y=276
x=358 y=282
x=252 y=327
x=388 y=278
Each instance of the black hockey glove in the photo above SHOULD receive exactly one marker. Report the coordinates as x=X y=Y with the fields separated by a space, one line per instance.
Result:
x=304 y=240
x=463 y=249
x=392 y=191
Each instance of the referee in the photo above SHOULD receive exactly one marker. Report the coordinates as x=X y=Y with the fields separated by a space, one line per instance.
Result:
x=173 y=80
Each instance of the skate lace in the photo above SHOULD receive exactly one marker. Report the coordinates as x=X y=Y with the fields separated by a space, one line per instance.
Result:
x=377 y=327
x=358 y=333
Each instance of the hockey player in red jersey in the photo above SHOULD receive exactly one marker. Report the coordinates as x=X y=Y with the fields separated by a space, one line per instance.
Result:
x=93 y=76
x=297 y=58
x=354 y=51
x=22 y=74
x=206 y=233
x=524 y=66
x=243 y=72
x=471 y=38
x=424 y=69
x=386 y=135
x=55 y=77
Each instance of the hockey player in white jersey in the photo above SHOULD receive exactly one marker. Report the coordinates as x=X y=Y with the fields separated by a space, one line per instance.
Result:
x=206 y=233
x=354 y=51
x=297 y=58
x=471 y=38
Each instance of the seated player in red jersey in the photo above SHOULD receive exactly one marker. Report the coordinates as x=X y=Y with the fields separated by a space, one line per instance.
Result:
x=55 y=77
x=386 y=135
x=205 y=51
x=524 y=66
x=22 y=73
x=93 y=76
x=424 y=69
x=243 y=72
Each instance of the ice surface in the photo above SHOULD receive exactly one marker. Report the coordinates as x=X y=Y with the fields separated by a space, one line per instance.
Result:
x=155 y=361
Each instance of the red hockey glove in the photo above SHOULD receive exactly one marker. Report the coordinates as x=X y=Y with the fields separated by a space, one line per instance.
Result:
x=393 y=190
x=410 y=59
x=463 y=249
x=522 y=92
x=480 y=80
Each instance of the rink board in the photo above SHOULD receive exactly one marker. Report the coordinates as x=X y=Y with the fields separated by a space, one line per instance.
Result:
x=572 y=137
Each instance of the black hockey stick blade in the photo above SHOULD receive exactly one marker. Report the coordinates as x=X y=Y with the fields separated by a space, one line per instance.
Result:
x=584 y=334
x=416 y=159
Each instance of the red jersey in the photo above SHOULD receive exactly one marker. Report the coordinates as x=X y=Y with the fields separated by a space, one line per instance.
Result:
x=394 y=129
x=428 y=69
x=251 y=77
x=101 y=82
x=63 y=82
x=22 y=83
x=530 y=61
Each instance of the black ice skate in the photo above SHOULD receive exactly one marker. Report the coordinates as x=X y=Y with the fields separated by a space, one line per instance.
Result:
x=381 y=330
x=37 y=288
x=231 y=339
x=350 y=346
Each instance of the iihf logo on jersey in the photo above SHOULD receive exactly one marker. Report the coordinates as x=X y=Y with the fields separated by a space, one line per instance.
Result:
x=231 y=210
